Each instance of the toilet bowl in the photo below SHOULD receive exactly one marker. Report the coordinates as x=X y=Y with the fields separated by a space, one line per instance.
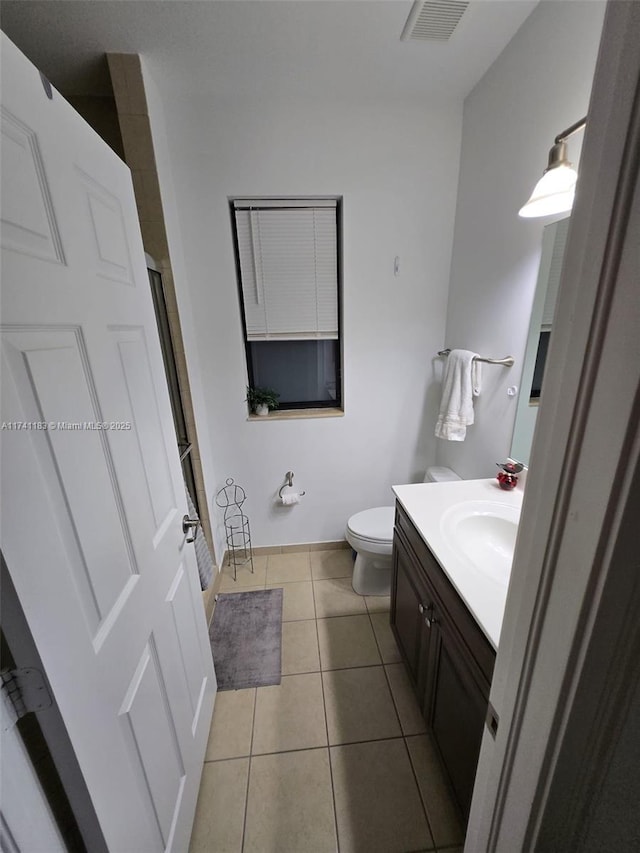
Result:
x=370 y=534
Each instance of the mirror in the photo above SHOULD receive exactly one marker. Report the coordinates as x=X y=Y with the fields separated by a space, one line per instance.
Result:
x=544 y=302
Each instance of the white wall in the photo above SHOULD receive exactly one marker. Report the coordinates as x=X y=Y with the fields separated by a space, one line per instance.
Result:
x=396 y=166
x=538 y=86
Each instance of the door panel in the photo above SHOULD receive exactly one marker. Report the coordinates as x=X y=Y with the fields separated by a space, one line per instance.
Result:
x=456 y=714
x=145 y=711
x=134 y=359
x=28 y=222
x=53 y=372
x=78 y=462
x=409 y=595
x=91 y=516
x=183 y=623
x=111 y=256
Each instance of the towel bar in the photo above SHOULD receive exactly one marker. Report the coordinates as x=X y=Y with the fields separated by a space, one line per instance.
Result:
x=508 y=360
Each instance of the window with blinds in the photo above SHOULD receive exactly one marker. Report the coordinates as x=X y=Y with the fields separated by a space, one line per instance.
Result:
x=287 y=255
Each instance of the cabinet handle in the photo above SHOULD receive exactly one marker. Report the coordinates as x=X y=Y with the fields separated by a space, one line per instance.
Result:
x=430 y=620
x=421 y=608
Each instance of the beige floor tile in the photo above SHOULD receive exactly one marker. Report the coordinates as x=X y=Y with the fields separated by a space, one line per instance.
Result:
x=411 y=718
x=232 y=588
x=331 y=564
x=359 y=705
x=347 y=641
x=230 y=734
x=245 y=577
x=288 y=568
x=219 y=817
x=266 y=550
x=299 y=647
x=384 y=635
x=335 y=597
x=290 y=806
x=443 y=816
x=378 y=603
x=378 y=805
x=297 y=602
x=290 y=715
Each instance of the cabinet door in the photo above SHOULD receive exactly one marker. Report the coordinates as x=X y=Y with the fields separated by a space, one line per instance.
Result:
x=455 y=710
x=409 y=602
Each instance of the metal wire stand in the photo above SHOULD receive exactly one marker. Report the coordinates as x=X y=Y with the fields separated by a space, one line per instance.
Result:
x=236 y=526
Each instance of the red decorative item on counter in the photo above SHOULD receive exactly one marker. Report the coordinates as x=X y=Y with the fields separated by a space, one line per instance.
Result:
x=507 y=481
x=507 y=478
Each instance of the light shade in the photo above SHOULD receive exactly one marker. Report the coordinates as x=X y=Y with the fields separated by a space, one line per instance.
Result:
x=553 y=193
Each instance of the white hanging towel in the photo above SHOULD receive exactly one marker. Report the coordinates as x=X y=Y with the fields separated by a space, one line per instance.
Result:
x=461 y=384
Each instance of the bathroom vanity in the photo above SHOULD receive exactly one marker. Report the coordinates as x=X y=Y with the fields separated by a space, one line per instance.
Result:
x=452 y=551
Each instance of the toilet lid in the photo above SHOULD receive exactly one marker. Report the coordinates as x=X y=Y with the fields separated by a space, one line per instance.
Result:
x=375 y=524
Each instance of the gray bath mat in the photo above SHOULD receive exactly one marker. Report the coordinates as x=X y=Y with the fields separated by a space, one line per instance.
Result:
x=246 y=639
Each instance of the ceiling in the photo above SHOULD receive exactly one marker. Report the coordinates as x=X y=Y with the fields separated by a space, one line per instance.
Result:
x=255 y=49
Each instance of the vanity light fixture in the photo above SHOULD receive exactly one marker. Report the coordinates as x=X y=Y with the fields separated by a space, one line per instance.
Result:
x=556 y=188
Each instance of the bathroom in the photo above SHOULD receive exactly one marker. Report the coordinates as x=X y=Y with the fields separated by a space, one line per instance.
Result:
x=422 y=178
x=418 y=177
x=419 y=181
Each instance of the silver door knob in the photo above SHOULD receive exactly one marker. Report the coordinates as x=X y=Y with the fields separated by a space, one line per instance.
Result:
x=190 y=524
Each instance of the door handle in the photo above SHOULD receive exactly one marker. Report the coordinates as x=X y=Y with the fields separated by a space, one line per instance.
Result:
x=190 y=524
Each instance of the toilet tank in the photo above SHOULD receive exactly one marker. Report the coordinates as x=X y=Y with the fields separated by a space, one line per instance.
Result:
x=440 y=474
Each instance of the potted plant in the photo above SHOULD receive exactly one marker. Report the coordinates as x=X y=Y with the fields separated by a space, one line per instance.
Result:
x=262 y=400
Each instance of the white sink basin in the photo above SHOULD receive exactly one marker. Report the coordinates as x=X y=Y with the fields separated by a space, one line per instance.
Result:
x=484 y=532
x=470 y=527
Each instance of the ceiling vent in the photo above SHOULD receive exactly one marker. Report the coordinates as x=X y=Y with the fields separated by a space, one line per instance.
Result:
x=433 y=20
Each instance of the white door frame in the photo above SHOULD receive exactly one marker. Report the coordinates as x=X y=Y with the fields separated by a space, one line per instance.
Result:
x=26 y=821
x=25 y=655
x=571 y=626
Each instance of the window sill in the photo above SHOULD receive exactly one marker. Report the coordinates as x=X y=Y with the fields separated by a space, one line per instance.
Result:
x=298 y=414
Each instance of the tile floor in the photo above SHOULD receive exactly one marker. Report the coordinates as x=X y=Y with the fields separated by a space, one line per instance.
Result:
x=336 y=756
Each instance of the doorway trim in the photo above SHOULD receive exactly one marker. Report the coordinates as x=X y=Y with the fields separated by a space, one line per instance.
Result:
x=572 y=554
x=135 y=127
x=25 y=655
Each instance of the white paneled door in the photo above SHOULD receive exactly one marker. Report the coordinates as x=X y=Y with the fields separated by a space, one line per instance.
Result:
x=92 y=490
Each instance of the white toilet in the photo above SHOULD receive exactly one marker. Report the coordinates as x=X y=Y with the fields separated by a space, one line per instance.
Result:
x=370 y=534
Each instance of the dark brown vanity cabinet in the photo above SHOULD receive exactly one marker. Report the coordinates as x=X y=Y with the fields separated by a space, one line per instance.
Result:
x=449 y=658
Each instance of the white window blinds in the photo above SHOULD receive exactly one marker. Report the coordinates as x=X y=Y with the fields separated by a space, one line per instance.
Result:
x=288 y=266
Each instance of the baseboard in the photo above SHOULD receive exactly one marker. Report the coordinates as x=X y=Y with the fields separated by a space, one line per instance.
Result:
x=301 y=547
x=209 y=595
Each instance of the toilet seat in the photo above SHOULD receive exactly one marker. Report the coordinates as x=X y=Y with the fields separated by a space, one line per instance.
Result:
x=373 y=526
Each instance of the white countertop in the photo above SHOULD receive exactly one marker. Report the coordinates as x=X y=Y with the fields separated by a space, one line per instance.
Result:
x=425 y=504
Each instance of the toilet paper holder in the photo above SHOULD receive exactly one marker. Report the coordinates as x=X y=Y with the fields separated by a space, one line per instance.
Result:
x=288 y=481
